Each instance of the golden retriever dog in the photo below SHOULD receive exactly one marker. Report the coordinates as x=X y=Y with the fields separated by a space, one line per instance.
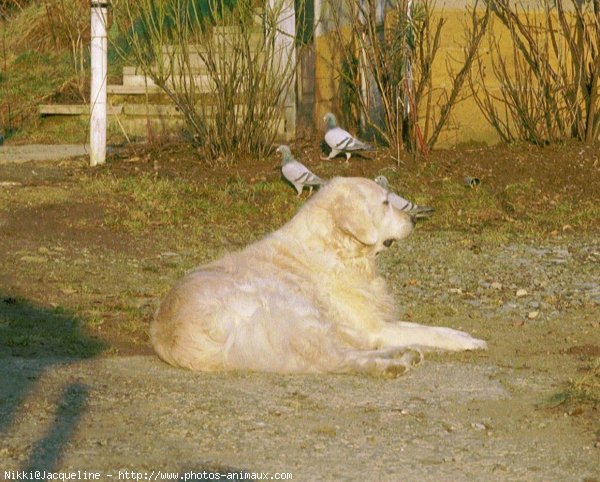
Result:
x=306 y=298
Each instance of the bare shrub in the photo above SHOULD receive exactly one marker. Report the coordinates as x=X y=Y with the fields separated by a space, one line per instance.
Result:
x=547 y=86
x=395 y=53
x=225 y=68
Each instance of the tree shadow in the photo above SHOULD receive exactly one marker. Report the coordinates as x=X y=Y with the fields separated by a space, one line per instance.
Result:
x=34 y=338
x=46 y=452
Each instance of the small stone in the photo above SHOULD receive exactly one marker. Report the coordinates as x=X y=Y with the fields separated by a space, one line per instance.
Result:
x=478 y=426
x=496 y=285
x=532 y=315
x=521 y=292
x=168 y=254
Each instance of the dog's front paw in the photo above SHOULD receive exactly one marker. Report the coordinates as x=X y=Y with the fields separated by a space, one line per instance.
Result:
x=464 y=341
x=456 y=340
x=480 y=344
x=475 y=344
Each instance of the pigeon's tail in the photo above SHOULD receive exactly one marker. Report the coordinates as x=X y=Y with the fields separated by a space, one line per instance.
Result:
x=316 y=181
x=421 y=212
x=352 y=144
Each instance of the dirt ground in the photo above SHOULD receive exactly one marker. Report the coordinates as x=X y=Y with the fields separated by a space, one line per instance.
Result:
x=515 y=261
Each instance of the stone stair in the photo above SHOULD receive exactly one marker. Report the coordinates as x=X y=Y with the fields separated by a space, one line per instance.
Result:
x=139 y=108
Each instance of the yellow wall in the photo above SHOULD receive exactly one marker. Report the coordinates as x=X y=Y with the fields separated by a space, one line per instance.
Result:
x=466 y=123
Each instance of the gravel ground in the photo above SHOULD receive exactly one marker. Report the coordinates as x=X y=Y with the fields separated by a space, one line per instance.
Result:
x=442 y=422
x=473 y=416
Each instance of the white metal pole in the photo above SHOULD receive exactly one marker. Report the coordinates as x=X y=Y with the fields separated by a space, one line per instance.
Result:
x=99 y=64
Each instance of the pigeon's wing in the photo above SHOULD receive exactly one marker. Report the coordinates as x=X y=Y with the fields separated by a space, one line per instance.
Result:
x=338 y=138
x=408 y=207
x=400 y=203
x=298 y=173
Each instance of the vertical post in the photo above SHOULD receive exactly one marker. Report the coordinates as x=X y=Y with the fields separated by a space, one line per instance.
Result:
x=285 y=45
x=408 y=51
x=374 y=112
x=99 y=64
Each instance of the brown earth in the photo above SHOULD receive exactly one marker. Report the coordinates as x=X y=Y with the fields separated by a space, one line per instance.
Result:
x=81 y=390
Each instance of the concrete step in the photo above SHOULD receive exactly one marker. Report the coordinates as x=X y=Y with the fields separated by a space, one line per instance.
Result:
x=139 y=120
x=133 y=89
x=203 y=82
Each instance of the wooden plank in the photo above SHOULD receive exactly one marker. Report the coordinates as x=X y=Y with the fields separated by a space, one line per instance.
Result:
x=74 y=109
x=63 y=109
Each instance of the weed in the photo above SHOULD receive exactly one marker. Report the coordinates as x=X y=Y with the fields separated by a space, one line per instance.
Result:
x=584 y=389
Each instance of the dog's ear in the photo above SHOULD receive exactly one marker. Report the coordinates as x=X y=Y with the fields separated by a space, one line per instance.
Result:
x=352 y=217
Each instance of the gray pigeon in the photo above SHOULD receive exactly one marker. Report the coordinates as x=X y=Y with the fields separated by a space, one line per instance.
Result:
x=340 y=140
x=402 y=204
x=296 y=172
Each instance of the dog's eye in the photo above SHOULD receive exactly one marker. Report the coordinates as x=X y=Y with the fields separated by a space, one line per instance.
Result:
x=386 y=202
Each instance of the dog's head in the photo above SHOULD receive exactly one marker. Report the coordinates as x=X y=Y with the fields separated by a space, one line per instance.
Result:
x=360 y=211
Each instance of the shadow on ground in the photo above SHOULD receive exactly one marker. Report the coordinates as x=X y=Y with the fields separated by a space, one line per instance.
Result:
x=54 y=337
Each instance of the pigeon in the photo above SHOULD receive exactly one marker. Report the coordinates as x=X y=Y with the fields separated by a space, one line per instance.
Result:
x=402 y=204
x=340 y=140
x=297 y=173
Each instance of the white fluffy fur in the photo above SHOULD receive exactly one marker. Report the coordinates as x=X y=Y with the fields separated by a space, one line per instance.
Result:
x=306 y=298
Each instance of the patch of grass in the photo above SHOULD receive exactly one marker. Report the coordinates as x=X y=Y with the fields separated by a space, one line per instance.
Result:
x=70 y=130
x=584 y=389
x=34 y=196
x=514 y=209
x=237 y=210
x=32 y=79
x=138 y=202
